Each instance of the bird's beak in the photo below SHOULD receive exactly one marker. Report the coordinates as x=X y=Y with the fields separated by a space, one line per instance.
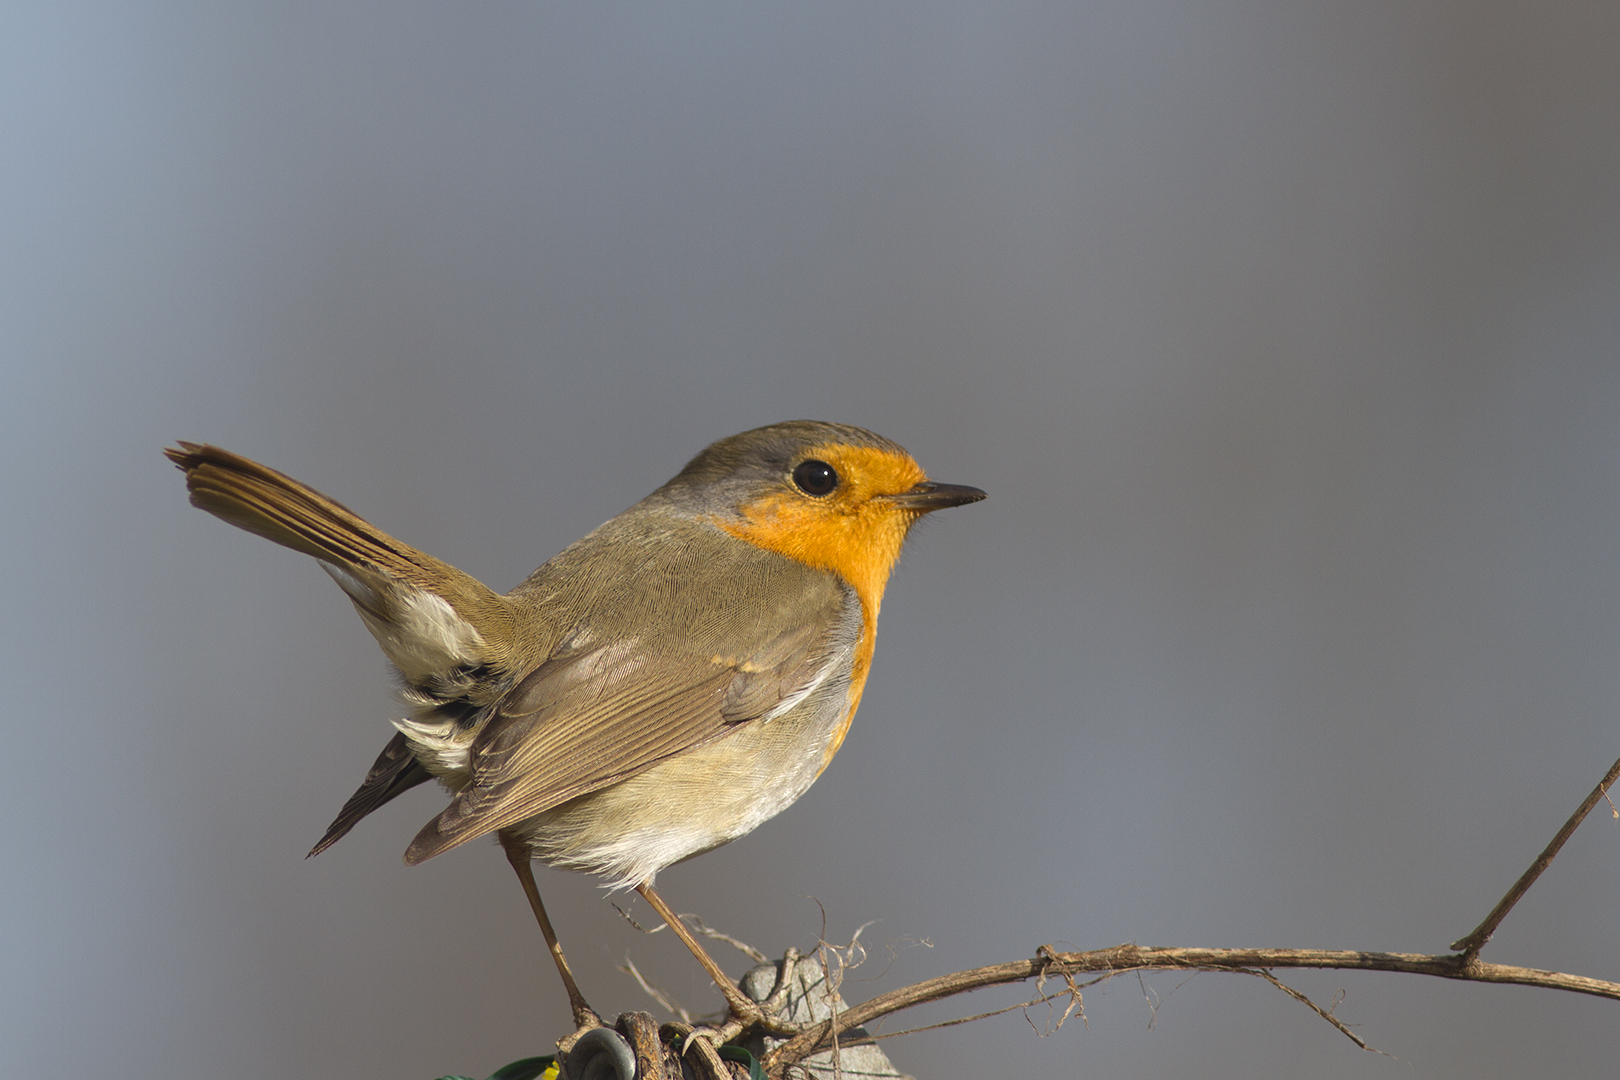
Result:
x=928 y=496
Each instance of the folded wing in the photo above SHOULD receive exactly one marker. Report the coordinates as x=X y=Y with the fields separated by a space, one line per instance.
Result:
x=585 y=720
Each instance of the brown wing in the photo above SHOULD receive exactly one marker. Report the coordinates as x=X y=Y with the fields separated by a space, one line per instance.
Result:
x=587 y=719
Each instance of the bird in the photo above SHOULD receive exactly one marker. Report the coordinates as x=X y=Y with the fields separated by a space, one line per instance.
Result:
x=662 y=686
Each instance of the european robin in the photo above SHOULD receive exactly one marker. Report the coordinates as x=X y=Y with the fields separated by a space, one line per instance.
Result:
x=663 y=686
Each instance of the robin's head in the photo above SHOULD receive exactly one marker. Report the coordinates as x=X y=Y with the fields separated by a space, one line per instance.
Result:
x=831 y=496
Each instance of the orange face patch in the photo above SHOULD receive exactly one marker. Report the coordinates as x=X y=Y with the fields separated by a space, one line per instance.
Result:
x=852 y=531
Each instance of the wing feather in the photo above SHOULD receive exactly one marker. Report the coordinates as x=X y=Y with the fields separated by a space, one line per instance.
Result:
x=583 y=721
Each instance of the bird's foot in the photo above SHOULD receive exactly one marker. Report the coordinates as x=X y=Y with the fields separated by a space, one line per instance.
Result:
x=745 y=1014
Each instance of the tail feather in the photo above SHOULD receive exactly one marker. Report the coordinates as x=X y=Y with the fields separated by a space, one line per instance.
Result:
x=395 y=773
x=430 y=618
x=277 y=507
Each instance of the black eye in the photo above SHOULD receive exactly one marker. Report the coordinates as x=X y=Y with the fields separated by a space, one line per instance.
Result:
x=815 y=477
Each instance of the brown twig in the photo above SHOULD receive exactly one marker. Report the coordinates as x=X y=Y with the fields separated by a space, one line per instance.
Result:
x=1469 y=946
x=1039 y=999
x=736 y=943
x=656 y=993
x=1127 y=958
x=1317 y=1009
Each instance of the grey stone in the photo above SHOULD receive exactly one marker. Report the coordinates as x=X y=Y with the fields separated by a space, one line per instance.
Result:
x=811 y=999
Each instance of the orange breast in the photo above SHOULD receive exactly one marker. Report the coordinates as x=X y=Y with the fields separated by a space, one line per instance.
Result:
x=853 y=534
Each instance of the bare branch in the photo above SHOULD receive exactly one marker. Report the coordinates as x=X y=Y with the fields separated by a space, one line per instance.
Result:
x=1469 y=946
x=1318 y=1010
x=1128 y=958
x=1038 y=999
x=654 y=992
x=736 y=943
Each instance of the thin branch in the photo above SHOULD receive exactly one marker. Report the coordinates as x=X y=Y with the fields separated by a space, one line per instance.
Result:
x=1470 y=945
x=1318 y=1010
x=654 y=992
x=1127 y=958
x=736 y=943
x=1464 y=967
x=873 y=1037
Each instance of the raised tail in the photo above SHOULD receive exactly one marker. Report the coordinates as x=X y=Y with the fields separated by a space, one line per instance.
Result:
x=434 y=622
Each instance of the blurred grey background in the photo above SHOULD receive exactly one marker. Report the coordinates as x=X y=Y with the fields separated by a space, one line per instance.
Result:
x=1284 y=337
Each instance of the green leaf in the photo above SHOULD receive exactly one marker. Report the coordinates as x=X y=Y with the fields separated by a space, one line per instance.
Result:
x=756 y=1071
x=527 y=1069
x=532 y=1068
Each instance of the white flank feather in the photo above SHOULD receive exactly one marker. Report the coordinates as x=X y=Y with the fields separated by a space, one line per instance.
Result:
x=420 y=633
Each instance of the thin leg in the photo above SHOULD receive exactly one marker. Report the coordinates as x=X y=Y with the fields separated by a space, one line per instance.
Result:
x=518 y=855
x=741 y=1007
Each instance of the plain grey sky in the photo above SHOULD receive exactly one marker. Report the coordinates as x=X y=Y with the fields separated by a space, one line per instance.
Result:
x=1284 y=337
